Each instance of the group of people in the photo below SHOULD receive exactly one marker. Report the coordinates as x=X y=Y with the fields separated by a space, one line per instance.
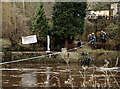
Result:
x=92 y=40
x=104 y=36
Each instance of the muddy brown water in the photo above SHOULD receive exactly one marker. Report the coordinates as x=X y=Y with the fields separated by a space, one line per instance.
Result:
x=58 y=75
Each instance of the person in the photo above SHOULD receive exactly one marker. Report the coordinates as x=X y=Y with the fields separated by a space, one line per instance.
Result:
x=106 y=36
x=93 y=40
x=79 y=43
x=89 y=37
x=103 y=37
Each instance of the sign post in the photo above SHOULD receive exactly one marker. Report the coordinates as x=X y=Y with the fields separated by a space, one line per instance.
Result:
x=48 y=44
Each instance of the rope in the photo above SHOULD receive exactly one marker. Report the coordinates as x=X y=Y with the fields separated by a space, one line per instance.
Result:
x=29 y=58
x=41 y=56
x=80 y=46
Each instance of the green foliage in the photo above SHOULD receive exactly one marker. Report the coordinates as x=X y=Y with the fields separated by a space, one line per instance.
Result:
x=40 y=24
x=114 y=31
x=68 y=18
x=87 y=59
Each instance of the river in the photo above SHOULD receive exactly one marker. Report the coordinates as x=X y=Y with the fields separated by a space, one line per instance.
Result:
x=58 y=75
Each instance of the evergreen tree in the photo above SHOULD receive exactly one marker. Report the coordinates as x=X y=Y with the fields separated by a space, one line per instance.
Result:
x=40 y=24
x=68 y=19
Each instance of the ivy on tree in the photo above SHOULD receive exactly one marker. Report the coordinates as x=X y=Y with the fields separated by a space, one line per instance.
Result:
x=68 y=19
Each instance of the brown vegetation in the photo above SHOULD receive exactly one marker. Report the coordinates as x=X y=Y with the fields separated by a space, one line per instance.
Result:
x=107 y=46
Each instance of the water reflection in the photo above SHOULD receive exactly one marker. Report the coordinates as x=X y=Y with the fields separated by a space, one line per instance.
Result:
x=59 y=75
x=28 y=79
x=48 y=77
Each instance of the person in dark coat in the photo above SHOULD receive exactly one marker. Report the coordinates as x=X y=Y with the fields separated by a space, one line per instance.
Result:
x=79 y=43
x=93 y=40
x=103 y=37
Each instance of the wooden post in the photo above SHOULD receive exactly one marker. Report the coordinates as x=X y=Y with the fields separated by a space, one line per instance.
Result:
x=109 y=14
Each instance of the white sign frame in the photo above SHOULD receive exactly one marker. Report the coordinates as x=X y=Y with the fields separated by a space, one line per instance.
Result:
x=29 y=39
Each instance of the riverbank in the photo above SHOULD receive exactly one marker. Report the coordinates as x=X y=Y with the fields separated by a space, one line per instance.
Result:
x=98 y=55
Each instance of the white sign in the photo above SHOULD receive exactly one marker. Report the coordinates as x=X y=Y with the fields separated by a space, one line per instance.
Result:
x=29 y=39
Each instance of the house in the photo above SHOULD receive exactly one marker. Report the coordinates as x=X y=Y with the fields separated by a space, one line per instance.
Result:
x=115 y=9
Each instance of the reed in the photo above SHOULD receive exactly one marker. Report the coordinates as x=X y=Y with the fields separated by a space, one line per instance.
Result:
x=109 y=77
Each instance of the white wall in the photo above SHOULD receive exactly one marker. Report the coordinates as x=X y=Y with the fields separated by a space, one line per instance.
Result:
x=102 y=12
x=115 y=8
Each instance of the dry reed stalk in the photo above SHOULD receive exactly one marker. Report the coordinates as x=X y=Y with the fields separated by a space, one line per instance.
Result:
x=57 y=81
x=107 y=79
x=82 y=77
x=114 y=79
x=42 y=81
x=117 y=61
x=70 y=79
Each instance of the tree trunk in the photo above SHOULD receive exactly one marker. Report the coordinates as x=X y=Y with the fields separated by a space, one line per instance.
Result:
x=66 y=43
x=53 y=44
